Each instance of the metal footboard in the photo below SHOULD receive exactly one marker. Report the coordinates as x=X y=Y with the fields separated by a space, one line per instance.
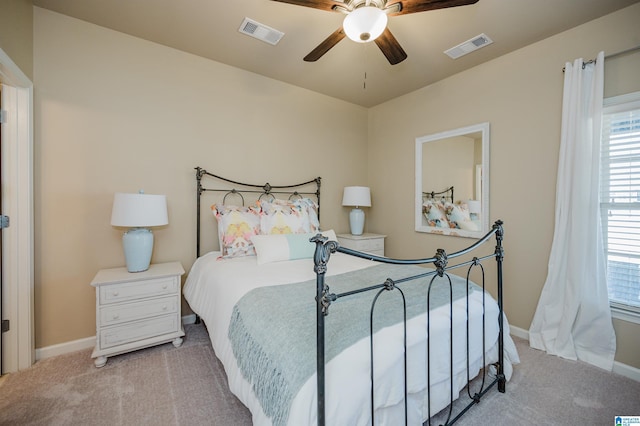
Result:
x=324 y=299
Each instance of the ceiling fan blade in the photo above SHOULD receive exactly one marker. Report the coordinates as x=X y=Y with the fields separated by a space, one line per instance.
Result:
x=315 y=4
x=413 y=6
x=325 y=46
x=390 y=47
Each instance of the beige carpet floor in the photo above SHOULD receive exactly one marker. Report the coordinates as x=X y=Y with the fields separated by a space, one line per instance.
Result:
x=187 y=386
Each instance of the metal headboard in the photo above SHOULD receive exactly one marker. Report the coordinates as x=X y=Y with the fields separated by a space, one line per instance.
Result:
x=446 y=194
x=240 y=188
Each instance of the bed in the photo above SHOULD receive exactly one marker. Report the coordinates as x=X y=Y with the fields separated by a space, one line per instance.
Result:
x=298 y=321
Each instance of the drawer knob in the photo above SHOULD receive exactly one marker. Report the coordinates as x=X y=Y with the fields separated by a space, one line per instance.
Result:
x=164 y=308
x=116 y=316
x=164 y=287
x=115 y=293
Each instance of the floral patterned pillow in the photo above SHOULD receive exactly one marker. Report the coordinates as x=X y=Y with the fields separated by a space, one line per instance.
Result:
x=434 y=212
x=458 y=215
x=236 y=226
x=312 y=209
x=288 y=217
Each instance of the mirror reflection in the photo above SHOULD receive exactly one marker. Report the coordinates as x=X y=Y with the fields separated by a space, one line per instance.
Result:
x=452 y=182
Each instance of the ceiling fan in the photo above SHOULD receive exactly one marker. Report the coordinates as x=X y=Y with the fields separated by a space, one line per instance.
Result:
x=366 y=21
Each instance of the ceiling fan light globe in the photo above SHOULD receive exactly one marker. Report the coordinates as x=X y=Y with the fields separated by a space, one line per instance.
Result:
x=365 y=24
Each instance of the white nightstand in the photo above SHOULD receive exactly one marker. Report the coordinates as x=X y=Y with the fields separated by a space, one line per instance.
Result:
x=137 y=310
x=368 y=243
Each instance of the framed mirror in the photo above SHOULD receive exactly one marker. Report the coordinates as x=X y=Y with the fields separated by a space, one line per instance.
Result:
x=452 y=182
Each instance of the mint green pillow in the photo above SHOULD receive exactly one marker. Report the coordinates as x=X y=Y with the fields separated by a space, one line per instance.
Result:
x=281 y=247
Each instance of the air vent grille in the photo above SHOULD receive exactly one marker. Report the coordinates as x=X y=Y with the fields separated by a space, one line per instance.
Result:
x=469 y=46
x=260 y=31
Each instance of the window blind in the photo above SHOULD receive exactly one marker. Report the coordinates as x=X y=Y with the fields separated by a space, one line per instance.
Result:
x=620 y=203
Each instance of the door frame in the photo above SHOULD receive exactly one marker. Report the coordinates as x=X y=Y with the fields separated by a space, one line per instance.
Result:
x=17 y=203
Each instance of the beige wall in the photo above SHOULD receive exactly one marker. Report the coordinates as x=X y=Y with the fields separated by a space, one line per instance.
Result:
x=520 y=94
x=16 y=33
x=116 y=113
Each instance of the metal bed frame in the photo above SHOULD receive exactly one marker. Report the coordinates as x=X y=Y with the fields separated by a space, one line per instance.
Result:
x=239 y=188
x=324 y=298
x=432 y=195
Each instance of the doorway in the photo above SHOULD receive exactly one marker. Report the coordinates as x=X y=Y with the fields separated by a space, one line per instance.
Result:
x=16 y=180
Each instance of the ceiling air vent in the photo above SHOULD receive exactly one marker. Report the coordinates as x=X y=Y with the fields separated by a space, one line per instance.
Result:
x=260 y=31
x=469 y=46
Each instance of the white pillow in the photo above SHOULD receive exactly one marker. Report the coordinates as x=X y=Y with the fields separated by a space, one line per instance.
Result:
x=469 y=225
x=280 y=247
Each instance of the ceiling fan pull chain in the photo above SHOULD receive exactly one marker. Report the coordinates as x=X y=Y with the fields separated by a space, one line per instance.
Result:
x=364 y=83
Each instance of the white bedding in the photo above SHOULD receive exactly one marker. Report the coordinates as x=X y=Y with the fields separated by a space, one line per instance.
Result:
x=214 y=286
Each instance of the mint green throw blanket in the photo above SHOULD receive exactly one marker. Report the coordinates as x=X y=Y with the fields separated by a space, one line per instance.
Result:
x=273 y=329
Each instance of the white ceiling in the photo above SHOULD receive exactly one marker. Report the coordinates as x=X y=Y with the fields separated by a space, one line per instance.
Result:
x=209 y=28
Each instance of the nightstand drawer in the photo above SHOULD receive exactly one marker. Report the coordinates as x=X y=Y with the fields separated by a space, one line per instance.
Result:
x=375 y=252
x=138 y=289
x=371 y=244
x=367 y=243
x=116 y=314
x=139 y=330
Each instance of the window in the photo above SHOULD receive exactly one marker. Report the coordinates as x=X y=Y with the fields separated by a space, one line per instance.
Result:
x=620 y=201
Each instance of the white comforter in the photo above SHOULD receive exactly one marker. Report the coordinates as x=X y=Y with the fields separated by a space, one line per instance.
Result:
x=214 y=286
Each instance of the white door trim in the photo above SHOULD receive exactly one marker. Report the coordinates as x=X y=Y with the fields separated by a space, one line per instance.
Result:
x=17 y=202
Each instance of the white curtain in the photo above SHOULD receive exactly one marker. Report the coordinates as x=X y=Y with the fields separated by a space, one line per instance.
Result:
x=573 y=318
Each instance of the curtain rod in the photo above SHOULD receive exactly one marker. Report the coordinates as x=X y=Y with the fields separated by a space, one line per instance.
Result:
x=613 y=55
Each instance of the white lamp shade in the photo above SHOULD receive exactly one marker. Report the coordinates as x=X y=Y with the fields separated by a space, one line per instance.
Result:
x=474 y=206
x=365 y=24
x=139 y=210
x=358 y=196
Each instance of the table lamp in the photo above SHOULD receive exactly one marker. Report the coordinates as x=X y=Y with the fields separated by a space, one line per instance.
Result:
x=356 y=196
x=475 y=207
x=139 y=212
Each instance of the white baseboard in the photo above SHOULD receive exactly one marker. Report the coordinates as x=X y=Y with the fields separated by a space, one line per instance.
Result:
x=64 y=348
x=189 y=319
x=619 y=368
x=86 y=343
x=519 y=332
x=626 y=370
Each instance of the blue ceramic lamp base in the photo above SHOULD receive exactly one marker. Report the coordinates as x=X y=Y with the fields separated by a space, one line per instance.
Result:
x=356 y=221
x=138 y=246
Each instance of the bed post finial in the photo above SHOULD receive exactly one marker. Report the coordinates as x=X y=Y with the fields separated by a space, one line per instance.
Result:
x=323 y=251
x=497 y=226
x=199 y=173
